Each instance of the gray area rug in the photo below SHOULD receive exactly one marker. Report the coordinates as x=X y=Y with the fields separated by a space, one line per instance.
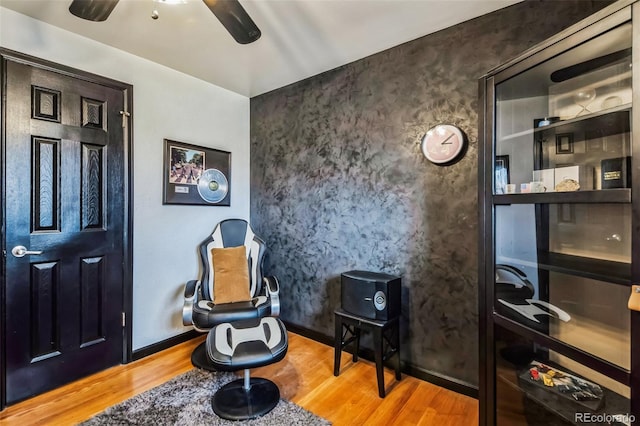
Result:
x=186 y=400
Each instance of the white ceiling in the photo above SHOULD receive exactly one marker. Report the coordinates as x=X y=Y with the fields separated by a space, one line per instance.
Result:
x=300 y=38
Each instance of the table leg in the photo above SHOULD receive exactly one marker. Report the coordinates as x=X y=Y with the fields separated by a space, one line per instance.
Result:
x=397 y=347
x=377 y=349
x=338 y=346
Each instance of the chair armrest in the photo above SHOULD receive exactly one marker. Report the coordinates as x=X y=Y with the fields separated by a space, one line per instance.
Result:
x=273 y=291
x=191 y=290
x=272 y=285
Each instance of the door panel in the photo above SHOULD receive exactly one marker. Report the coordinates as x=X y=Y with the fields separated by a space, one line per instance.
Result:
x=65 y=195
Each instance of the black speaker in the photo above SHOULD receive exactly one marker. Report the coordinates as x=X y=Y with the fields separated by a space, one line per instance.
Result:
x=371 y=295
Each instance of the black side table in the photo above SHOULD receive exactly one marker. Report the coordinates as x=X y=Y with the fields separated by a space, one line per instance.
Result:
x=385 y=333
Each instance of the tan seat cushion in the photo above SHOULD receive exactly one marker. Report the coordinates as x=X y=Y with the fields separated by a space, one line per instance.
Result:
x=230 y=275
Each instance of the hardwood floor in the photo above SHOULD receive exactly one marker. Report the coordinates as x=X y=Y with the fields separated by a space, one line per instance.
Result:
x=305 y=377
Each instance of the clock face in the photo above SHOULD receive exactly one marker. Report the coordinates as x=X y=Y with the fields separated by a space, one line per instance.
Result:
x=443 y=144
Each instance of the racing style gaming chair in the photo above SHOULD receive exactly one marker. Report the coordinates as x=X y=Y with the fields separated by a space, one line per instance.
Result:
x=200 y=306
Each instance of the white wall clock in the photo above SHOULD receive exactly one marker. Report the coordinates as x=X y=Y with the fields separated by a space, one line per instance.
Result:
x=443 y=144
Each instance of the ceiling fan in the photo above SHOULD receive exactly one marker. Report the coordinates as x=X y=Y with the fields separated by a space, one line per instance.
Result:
x=229 y=12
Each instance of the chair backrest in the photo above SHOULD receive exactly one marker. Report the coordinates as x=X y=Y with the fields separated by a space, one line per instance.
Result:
x=233 y=233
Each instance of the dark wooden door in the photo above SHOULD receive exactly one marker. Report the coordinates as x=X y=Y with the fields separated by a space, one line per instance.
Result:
x=64 y=192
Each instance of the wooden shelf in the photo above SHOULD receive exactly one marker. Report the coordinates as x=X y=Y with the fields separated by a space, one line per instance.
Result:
x=618 y=115
x=607 y=271
x=622 y=195
x=587 y=267
x=613 y=119
x=587 y=359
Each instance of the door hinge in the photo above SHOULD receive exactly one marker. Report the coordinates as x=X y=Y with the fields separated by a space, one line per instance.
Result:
x=124 y=319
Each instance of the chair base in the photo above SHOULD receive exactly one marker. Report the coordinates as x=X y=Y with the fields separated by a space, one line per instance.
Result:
x=234 y=402
x=200 y=359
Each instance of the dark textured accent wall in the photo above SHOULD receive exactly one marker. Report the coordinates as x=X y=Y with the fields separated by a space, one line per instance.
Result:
x=338 y=181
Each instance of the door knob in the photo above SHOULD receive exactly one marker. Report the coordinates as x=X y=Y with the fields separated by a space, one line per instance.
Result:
x=21 y=251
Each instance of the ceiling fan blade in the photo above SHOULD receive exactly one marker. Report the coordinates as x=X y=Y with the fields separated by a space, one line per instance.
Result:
x=235 y=19
x=93 y=10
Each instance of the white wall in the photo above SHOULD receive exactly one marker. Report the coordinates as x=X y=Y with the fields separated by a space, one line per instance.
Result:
x=166 y=104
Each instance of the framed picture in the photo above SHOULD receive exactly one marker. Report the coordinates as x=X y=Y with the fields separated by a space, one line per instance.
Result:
x=195 y=175
x=564 y=143
x=502 y=177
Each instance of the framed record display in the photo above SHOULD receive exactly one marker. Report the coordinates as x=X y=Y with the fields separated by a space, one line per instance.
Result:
x=195 y=175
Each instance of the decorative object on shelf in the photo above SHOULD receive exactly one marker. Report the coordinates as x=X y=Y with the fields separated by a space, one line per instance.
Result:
x=196 y=175
x=547 y=177
x=582 y=177
x=541 y=122
x=537 y=186
x=502 y=174
x=570 y=387
x=564 y=143
x=580 y=95
x=443 y=144
x=611 y=102
x=584 y=98
x=616 y=173
x=567 y=185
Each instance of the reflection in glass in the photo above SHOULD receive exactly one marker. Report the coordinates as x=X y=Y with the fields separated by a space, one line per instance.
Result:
x=584 y=98
x=563 y=270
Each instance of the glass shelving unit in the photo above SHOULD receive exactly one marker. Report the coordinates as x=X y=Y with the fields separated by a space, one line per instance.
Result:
x=560 y=229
